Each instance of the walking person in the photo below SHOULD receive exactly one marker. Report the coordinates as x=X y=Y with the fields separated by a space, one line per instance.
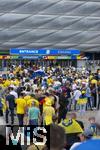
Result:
x=63 y=109
x=68 y=90
x=94 y=96
x=77 y=94
x=33 y=114
x=13 y=92
x=88 y=94
x=10 y=102
x=48 y=112
x=82 y=103
x=21 y=108
x=92 y=125
x=99 y=98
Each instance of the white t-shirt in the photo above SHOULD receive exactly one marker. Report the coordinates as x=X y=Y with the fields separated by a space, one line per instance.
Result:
x=57 y=83
x=77 y=94
x=14 y=94
x=27 y=84
x=34 y=87
x=74 y=86
x=26 y=71
x=57 y=102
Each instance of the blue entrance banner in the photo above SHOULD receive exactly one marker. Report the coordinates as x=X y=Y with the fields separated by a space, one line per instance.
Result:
x=14 y=51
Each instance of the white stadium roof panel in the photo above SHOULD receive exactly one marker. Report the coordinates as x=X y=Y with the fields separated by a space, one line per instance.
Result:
x=50 y=24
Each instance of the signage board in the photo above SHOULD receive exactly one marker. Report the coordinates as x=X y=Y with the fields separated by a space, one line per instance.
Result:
x=6 y=57
x=51 y=57
x=64 y=57
x=14 y=57
x=30 y=57
x=47 y=52
x=58 y=57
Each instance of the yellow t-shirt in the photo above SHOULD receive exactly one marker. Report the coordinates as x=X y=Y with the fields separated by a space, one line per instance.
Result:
x=48 y=112
x=94 y=81
x=29 y=102
x=17 y=69
x=48 y=99
x=50 y=81
x=28 y=97
x=16 y=82
x=52 y=99
x=91 y=77
x=82 y=101
x=7 y=83
x=1 y=85
x=21 y=105
x=4 y=105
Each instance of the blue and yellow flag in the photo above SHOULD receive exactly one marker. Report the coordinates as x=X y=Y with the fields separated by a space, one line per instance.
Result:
x=71 y=126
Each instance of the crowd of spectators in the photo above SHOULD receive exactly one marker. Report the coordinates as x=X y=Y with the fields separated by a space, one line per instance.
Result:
x=53 y=95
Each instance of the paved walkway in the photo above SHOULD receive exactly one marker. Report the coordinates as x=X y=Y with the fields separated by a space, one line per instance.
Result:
x=81 y=118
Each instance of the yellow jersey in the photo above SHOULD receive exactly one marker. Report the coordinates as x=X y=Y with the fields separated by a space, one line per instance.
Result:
x=21 y=105
x=48 y=112
x=7 y=83
x=27 y=97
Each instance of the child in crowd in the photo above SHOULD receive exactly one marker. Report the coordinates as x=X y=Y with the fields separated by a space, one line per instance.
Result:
x=33 y=114
x=92 y=125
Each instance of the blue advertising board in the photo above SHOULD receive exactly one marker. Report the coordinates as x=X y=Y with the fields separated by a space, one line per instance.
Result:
x=30 y=57
x=14 y=51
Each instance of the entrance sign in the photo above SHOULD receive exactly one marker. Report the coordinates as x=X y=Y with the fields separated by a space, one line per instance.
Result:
x=49 y=52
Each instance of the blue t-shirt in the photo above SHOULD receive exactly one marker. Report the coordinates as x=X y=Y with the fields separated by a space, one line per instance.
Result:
x=33 y=113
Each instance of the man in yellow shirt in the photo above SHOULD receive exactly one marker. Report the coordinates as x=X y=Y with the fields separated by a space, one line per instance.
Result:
x=21 y=108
